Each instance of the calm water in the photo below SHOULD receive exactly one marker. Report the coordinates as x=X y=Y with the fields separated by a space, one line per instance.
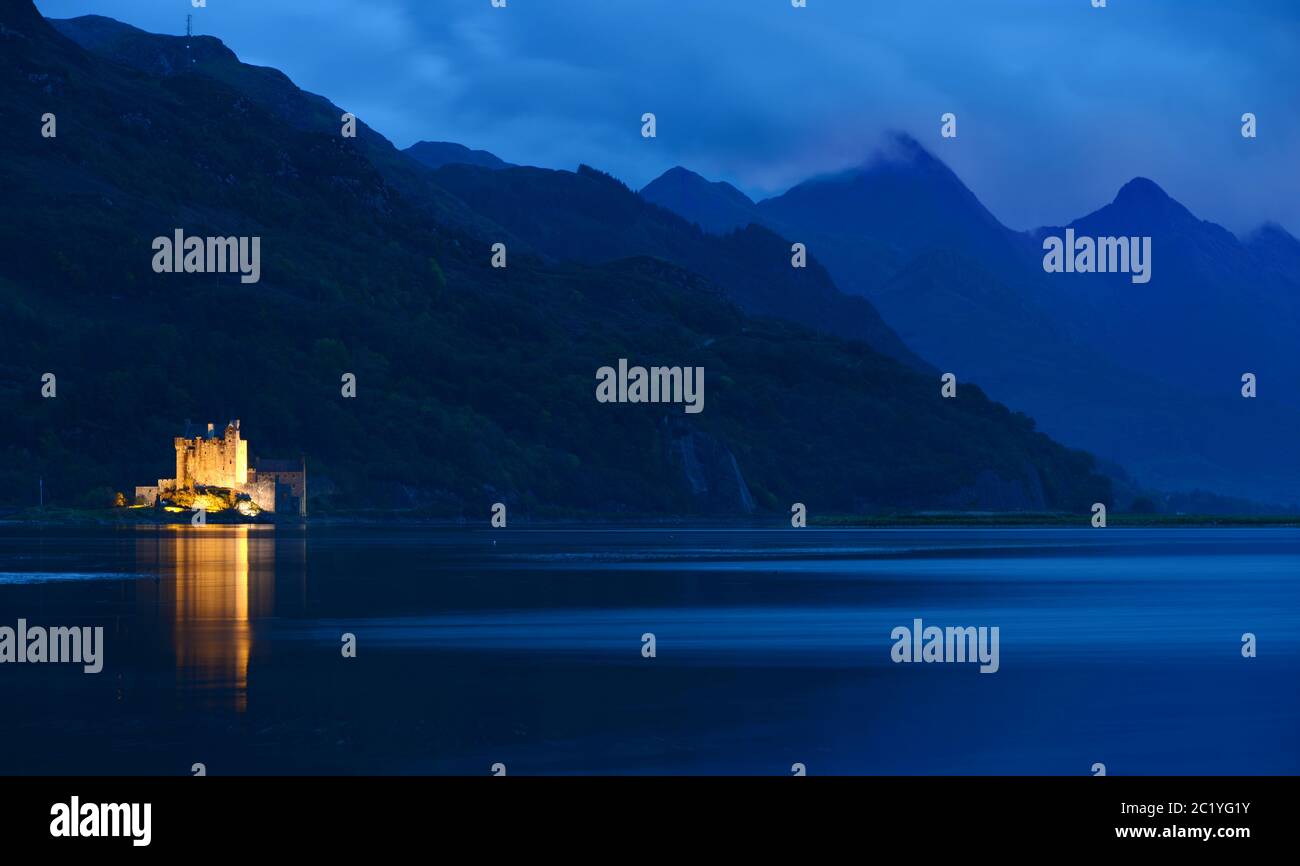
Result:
x=222 y=646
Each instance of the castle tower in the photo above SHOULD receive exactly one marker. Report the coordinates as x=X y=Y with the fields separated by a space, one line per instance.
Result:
x=236 y=453
x=182 y=476
x=210 y=460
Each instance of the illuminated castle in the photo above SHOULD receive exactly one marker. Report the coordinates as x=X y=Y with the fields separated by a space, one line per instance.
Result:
x=221 y=462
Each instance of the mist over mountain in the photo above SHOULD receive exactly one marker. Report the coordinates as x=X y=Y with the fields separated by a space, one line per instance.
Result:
x=475 y=384
x=1146 y=375
x=902 y=203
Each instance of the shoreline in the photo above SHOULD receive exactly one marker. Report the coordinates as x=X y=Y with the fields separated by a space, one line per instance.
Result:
x=55 y=517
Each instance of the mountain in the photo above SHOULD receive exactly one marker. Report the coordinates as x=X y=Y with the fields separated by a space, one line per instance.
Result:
x=1278 y=254
x=871 y=220
x=865 y=223
x=1210 y=311
x=1145 y=375
x=474 y=384
x=589 y=216
x=715 y=206
x=561 y=221
x=168 y=58
x=436 y=154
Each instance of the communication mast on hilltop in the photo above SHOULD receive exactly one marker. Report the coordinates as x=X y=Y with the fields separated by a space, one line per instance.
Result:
x=189 y=32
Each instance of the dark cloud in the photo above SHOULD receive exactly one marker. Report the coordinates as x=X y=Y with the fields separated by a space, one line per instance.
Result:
x=1058 y=103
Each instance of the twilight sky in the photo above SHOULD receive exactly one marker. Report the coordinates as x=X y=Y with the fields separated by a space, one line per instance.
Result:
x=1058 y=103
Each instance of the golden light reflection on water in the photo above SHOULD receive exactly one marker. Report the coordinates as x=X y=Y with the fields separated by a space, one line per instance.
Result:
x=215 y=582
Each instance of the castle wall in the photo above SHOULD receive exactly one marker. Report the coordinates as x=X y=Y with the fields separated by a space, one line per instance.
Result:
x=261 y=491
x=212 y=461
x=293 y=490
x=146 y=495
x=183 y=448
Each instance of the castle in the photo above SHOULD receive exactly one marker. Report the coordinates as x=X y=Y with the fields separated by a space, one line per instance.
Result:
x=222 y=462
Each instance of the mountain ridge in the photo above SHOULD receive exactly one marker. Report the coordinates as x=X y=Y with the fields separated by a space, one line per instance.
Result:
x=436 y=154
x=971 y=296
x=474 y=384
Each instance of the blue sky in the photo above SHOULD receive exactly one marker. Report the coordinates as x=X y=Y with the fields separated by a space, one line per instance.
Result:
x=1058 y=103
